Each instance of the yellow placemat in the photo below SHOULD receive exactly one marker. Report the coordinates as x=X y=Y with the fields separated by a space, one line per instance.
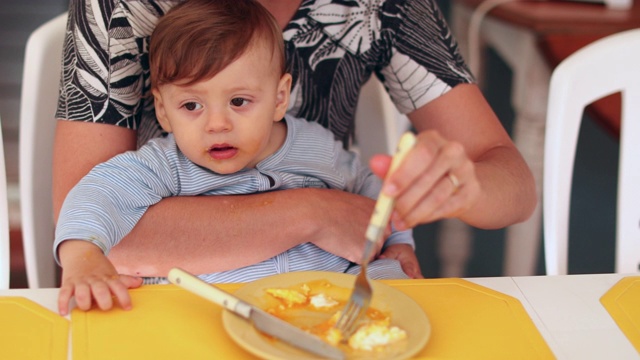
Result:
x=166 y=322
x=468 y=321
x=622 y=302
x=30 y=331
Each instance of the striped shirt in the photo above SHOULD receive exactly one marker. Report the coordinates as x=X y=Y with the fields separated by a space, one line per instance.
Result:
x=108 y=202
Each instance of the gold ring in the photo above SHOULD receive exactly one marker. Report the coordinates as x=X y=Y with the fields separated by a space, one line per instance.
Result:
x=454 y=181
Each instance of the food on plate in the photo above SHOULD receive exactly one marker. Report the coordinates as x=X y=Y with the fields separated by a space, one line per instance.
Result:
x=375 y=334
x=315 y=307
x=289 y=297
x=322 y=301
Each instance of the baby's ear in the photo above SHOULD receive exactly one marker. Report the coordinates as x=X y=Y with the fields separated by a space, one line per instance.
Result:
x=161 y=112
x=282 y=97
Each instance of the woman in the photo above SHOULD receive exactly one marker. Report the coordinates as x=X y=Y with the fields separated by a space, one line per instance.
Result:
x=463 y=166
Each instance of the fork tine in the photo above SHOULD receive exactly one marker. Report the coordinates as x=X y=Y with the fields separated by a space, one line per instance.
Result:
x=358 y=301
x=350 y=315
x=347 y=324
x=345 y=317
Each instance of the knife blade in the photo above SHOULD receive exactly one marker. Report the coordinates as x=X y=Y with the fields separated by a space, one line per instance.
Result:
x=262 y=320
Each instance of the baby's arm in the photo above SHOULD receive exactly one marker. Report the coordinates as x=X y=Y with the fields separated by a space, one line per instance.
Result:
x=88 y=275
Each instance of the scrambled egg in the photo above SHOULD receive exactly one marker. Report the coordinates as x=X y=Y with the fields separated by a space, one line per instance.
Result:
x=288 y=297
x=373 y=332
x=322 y=301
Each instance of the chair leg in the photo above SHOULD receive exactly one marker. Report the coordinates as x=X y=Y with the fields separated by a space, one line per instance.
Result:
x=455 y=240
x=529 y=99
x=523 y=239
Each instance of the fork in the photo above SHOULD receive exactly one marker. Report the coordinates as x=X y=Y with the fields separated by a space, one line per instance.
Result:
x=361 y=294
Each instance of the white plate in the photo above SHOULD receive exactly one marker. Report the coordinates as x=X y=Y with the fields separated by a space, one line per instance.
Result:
x=405 y=313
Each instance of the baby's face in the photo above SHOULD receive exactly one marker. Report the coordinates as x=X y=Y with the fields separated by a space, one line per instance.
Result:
x=226 y=123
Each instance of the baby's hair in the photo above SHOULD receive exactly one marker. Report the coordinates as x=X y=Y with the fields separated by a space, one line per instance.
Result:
x=198 y=38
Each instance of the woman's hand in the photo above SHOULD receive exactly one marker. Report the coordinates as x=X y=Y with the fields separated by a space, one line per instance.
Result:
x=436 y=180
x=89 y=276
x=464 y=165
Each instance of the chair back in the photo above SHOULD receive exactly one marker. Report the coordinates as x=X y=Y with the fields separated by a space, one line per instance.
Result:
x=605 y=67
x=5 y=253
x=39 y=98
x=379 y=125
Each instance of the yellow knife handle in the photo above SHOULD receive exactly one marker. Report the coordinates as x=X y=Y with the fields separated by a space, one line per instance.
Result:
x=210 y=292
x=385 y=203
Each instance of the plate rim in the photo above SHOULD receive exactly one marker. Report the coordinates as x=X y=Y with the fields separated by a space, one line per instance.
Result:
x=229 y=319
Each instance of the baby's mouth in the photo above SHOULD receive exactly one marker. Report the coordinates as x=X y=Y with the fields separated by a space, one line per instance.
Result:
x=222 y=151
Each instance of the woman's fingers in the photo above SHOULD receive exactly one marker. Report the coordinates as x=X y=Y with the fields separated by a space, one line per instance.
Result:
x=436 y=180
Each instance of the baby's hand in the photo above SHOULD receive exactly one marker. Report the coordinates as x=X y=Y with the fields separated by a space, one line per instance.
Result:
x=406 y=256
x=89 y=276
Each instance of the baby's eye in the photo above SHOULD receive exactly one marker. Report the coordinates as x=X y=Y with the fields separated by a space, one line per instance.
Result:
x=239 y=101
x=191 y=106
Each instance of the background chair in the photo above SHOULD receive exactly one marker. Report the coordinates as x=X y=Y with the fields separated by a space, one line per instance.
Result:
x=4 y=221
x=607 y=66
x=379 y=125
x=38 y=102
x=529 y=37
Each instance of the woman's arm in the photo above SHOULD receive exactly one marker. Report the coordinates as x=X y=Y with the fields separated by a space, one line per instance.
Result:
x=213 y=233
x=459 y=134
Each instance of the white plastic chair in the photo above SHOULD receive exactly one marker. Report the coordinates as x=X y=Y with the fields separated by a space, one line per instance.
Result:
x=604 y=67
x=38 y=103
x=379 y=125
x=5 y=266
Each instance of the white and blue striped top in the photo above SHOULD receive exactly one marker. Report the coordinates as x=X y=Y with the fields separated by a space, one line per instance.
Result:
x=107 y=203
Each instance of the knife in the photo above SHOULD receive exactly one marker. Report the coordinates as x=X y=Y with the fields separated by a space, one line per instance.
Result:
x=262 y=320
